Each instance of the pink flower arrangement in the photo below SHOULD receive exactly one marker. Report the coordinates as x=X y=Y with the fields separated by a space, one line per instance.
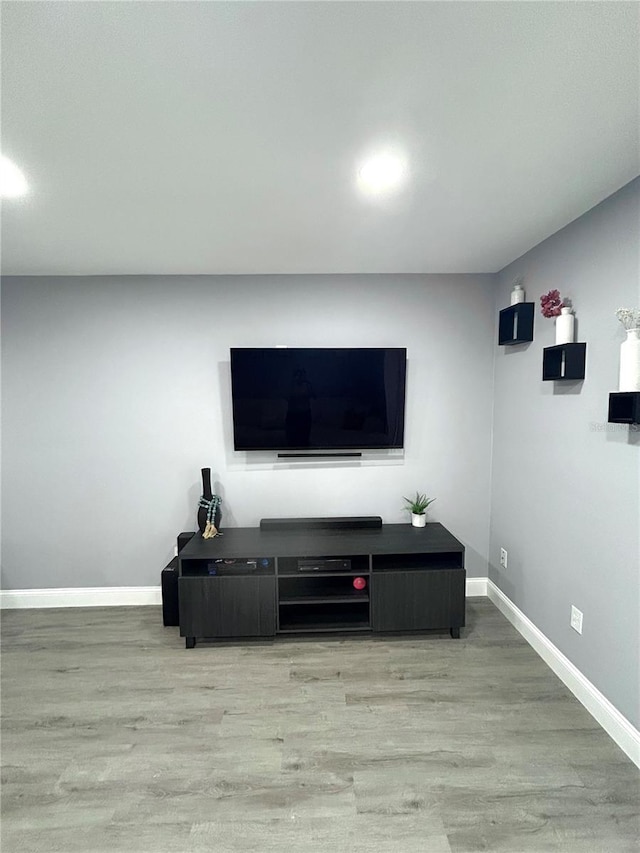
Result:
x=551 y=304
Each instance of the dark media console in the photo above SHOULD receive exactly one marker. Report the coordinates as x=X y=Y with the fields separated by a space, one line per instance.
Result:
x=253 y=582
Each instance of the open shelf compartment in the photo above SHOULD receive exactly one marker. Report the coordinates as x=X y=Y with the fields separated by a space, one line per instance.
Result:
x=331 y=616
x=417 y=562
x=515 y=325
x=563 y=362
x=624 y=407
x=325 y=588
x=236 y=567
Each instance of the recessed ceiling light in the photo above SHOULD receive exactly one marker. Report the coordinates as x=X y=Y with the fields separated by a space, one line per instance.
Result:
x=12 y=182
x=382 y=173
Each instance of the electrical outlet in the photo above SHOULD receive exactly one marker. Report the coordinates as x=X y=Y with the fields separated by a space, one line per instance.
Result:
x=576 y=619
x=175 y=550
x=503 y=557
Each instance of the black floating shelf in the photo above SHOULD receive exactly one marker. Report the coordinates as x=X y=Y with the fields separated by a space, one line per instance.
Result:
x=624 y=407
x=563 y=362
x=516 y=324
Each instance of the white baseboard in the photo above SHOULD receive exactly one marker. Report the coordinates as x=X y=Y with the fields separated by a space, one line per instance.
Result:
x=475 y=587
x=99 y=596
x=607 y=715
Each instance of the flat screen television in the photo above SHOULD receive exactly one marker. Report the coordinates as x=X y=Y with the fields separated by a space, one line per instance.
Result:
x=318 y=399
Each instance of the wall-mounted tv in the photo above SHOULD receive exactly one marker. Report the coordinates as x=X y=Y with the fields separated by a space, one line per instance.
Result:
x=318 y=399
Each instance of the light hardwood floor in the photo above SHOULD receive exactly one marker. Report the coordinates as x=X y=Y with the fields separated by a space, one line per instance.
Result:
x=116 y=738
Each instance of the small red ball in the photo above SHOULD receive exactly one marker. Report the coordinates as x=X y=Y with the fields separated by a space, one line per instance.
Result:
x=359 y=583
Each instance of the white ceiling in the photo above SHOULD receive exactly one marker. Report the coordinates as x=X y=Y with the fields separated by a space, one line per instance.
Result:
x=224 y=137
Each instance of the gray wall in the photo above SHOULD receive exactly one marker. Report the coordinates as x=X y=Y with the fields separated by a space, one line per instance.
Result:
x=565 y=484
x=116 y=392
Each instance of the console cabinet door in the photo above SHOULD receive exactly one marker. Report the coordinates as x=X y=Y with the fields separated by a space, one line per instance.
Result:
x=417 y=600
x=227 y=606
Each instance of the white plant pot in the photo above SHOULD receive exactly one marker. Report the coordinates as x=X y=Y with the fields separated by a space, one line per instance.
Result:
x=630 y=361
x=418 y=520
x=565 y=327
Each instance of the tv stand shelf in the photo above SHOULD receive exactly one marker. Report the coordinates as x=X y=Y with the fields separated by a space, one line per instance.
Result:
x=312 y=599
x=246 y=583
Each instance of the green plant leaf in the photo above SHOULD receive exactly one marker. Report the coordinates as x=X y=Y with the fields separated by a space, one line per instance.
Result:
x=418 y=504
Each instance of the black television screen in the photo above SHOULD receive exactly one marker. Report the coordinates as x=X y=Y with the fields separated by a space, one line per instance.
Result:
x=318 y=399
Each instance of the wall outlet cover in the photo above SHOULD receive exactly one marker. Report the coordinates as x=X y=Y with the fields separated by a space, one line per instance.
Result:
x=503 y=558
x=576 y=619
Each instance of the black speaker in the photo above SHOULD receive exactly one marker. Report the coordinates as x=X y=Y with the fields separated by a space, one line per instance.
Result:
x=169 y=583
x=183 y=538
x=358 y=522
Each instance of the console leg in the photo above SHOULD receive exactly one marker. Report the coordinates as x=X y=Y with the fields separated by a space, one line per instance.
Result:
x=455 y=633
x=190 y=642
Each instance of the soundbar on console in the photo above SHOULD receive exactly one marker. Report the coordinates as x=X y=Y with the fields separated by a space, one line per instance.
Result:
x=359 y=522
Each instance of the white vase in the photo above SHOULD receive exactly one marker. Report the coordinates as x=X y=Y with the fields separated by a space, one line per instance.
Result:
x=418 y=520
x=517 y=294
x=565 y=327
x=630 y=361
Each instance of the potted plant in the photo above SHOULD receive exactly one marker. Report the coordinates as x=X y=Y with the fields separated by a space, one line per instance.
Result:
x=417 y=507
